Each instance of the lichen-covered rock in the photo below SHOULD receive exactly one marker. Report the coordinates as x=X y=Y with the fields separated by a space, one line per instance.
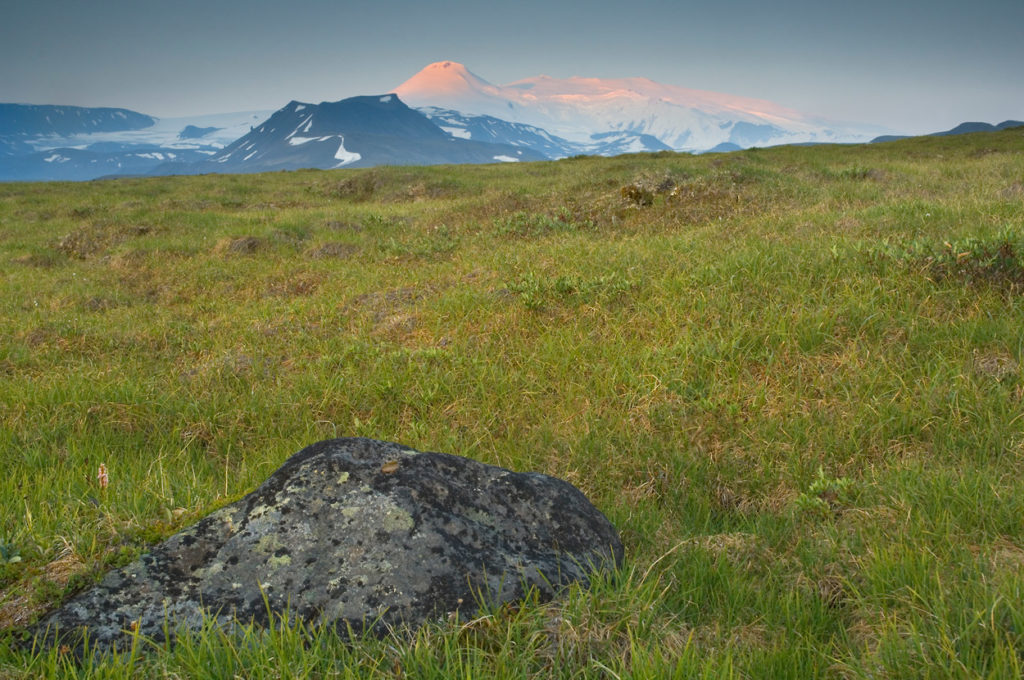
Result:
x=354 y=532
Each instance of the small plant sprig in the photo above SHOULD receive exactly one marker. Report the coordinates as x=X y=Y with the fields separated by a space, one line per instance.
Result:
x=826 y=495
x=998 y=260
x=535 y=291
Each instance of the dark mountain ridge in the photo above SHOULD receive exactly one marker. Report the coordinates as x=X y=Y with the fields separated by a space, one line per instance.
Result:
x=355 y=132
x=33 y=120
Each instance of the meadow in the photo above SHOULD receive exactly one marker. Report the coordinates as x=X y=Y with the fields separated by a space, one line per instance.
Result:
x=791 y=377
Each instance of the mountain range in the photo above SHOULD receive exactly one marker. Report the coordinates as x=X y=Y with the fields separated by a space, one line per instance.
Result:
x=577 y=109
x=443 y=114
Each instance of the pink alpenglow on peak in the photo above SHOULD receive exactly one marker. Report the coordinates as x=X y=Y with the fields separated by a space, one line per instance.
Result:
x=444 y=76
x=447 y=81
x=577 y=108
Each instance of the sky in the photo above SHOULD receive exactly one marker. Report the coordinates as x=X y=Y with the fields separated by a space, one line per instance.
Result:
x=907 y=65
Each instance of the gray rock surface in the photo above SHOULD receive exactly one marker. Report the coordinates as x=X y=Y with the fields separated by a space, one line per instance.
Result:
x=353 y=532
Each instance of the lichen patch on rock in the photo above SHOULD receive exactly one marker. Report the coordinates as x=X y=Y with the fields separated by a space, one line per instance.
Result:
x=357 y=533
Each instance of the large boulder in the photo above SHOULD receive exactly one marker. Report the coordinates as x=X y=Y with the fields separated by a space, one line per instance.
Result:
x=358 y=533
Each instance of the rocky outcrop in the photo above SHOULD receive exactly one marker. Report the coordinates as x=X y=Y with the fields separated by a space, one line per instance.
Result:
x=357 y=533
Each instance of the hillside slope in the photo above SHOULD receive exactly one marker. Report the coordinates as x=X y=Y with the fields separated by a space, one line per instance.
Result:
x=792 y=378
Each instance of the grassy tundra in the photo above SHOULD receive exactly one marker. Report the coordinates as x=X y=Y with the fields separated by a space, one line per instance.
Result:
x=791 y=377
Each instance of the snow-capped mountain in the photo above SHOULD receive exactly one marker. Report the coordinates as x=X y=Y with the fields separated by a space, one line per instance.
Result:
x=354 y=132
x=490 y=129
x=576 y=109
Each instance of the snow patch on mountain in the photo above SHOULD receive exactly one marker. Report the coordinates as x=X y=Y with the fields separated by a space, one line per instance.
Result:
x=461 y=133
x=346 y=157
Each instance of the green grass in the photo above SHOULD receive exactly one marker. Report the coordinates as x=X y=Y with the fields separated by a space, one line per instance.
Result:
x=791 y=377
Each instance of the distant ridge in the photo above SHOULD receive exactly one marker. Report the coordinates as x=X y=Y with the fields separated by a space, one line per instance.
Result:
x=965 y=128
x=28 y=120
x=23 y=124
x=961 y=129
x=724 y=147
x=194 y=132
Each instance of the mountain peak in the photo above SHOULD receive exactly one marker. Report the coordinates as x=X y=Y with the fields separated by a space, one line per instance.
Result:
x=448 y=80
x=451 y=66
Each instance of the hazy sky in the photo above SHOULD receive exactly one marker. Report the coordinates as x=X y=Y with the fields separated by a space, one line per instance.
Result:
x=911 y=65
